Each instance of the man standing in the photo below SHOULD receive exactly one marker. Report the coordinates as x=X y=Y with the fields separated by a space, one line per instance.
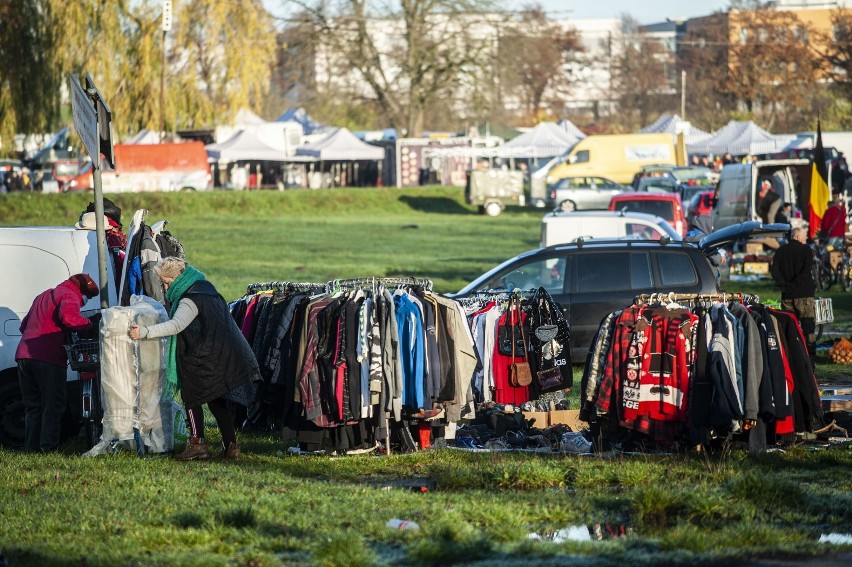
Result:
x=792 y=270
x=768 y=202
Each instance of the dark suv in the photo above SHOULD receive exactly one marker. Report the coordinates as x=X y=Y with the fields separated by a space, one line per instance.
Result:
x=591 y=279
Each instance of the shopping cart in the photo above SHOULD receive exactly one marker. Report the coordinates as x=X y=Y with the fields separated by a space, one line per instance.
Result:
x=84 y=357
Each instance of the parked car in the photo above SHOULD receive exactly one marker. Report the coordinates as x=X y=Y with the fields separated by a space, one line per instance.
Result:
x=560 y=227
x=666 y=205
x=582 y=193
x=7 y=166
x=591 y=279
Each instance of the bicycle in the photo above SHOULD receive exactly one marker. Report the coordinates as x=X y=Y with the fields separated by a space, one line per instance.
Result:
x=824 y=275
x=84 y=357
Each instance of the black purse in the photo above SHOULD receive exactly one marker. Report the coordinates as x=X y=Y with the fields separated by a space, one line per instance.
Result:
x=508 y=334
x=553 y=350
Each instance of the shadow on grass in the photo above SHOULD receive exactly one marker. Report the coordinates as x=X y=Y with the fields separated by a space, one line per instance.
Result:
x=443 y=205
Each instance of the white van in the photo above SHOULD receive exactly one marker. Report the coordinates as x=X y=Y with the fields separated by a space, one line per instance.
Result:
x=739 y=184
x=564 y=227
x=36 y=258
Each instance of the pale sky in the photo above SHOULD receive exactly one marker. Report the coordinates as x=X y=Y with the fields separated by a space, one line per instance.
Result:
x=644 y=11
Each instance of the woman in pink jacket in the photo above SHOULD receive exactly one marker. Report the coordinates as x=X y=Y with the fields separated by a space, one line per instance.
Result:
x=42 y=361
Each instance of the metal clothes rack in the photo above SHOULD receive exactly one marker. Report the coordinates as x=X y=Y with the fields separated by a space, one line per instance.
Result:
x=372 y=282
x=672 y=297
x=283 y=286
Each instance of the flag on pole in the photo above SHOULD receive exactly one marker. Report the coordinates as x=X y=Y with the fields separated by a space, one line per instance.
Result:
x=820 y=194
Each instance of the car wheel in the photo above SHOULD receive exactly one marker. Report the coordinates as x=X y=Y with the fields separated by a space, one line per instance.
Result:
x=493 y=209
x=11 y=415
x=567 y=206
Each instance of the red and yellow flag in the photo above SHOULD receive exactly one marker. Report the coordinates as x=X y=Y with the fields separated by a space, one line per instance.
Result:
x=820 y=193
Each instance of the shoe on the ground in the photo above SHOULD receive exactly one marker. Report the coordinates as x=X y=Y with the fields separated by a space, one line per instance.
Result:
x=232 y=451
x=574 y=442
x=196 y=448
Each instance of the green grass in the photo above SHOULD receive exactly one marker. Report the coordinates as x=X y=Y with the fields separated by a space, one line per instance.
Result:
x=273 y=508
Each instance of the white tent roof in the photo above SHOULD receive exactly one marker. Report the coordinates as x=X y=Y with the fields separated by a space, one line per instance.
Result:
x=571 y=129
x=341 y=145
x=145 y=137
x=243 y=146
x=246 y=117
x=673 y=124
x=740 y=138
x=547 y=139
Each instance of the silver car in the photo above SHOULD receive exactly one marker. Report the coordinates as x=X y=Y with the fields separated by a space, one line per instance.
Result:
x=581 y=193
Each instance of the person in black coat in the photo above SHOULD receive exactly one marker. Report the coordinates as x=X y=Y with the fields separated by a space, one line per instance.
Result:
x=792 y=270
x=208 y=357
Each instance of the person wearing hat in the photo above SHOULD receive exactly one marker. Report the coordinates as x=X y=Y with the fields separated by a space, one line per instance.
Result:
x=42 y=361
x=832 y=229
x=768 y=202
x=207 y=356
x=116 y=240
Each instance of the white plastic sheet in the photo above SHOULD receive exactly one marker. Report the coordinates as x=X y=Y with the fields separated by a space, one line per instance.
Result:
x=136 y=412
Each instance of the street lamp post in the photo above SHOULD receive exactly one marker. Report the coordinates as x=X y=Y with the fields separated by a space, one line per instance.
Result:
x=167 y=26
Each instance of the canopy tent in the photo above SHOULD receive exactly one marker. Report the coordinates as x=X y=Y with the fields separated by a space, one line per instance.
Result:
x=547 y=139
x=299 y=115
x=674 y=124
x=246 y=117
x=571 y=129
x=243 y=146
x=739 y=138
x=341 y=145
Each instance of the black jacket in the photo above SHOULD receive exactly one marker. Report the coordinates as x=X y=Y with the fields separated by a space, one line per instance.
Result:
x=213 y=356
x=792 y=270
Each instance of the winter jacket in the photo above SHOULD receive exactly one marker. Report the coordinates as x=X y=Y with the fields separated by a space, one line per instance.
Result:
x=43 y=327
x=213 y=356
x=791 y=270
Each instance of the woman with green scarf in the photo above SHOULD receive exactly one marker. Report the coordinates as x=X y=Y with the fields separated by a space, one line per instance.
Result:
x=208 y=358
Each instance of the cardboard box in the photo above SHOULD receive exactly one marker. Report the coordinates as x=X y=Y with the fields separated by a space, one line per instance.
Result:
x=541 y=418
x=757 y=268
x=755 y=248
x=571 y=418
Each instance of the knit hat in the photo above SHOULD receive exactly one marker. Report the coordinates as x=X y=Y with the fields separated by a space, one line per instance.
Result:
x=85 y=284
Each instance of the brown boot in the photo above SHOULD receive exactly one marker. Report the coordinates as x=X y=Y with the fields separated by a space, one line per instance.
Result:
x=196 y=448
x=232 y=452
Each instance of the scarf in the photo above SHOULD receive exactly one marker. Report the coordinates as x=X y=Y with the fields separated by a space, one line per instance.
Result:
x=181 y=285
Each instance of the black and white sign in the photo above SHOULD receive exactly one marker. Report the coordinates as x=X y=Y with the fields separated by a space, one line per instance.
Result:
x=85 y=119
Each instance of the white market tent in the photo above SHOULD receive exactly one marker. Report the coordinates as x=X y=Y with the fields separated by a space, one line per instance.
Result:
x=341 y=145
x=243 y=146
x=674 y=124
x=546 y=139
x=740 y=138
x=571 y=129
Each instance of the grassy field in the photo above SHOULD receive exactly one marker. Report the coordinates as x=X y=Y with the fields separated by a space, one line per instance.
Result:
x=275 y=508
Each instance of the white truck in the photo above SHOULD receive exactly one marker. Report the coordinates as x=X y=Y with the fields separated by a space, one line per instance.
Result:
x=36 y=258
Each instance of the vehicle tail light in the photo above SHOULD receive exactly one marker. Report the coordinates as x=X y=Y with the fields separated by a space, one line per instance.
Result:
x=552 y=194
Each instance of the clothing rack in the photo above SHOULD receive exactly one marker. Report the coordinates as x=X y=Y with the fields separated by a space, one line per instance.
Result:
x=672 y=297
x=496 y=295
x=283 y=286
x=372 y=282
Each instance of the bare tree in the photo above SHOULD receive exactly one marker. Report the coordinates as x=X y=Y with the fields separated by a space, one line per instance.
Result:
x=531 y=60
x=642 y=77
x=409 y=58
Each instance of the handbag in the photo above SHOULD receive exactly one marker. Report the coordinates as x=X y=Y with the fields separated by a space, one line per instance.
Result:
x=554 y=370
x=520 y=374
x=507 y=341
x=550 y=379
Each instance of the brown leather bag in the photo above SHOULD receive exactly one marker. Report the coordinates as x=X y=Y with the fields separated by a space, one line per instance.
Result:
x=520 y=374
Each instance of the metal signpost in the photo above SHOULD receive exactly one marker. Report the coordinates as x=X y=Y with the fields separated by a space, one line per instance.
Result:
x=92 y=119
